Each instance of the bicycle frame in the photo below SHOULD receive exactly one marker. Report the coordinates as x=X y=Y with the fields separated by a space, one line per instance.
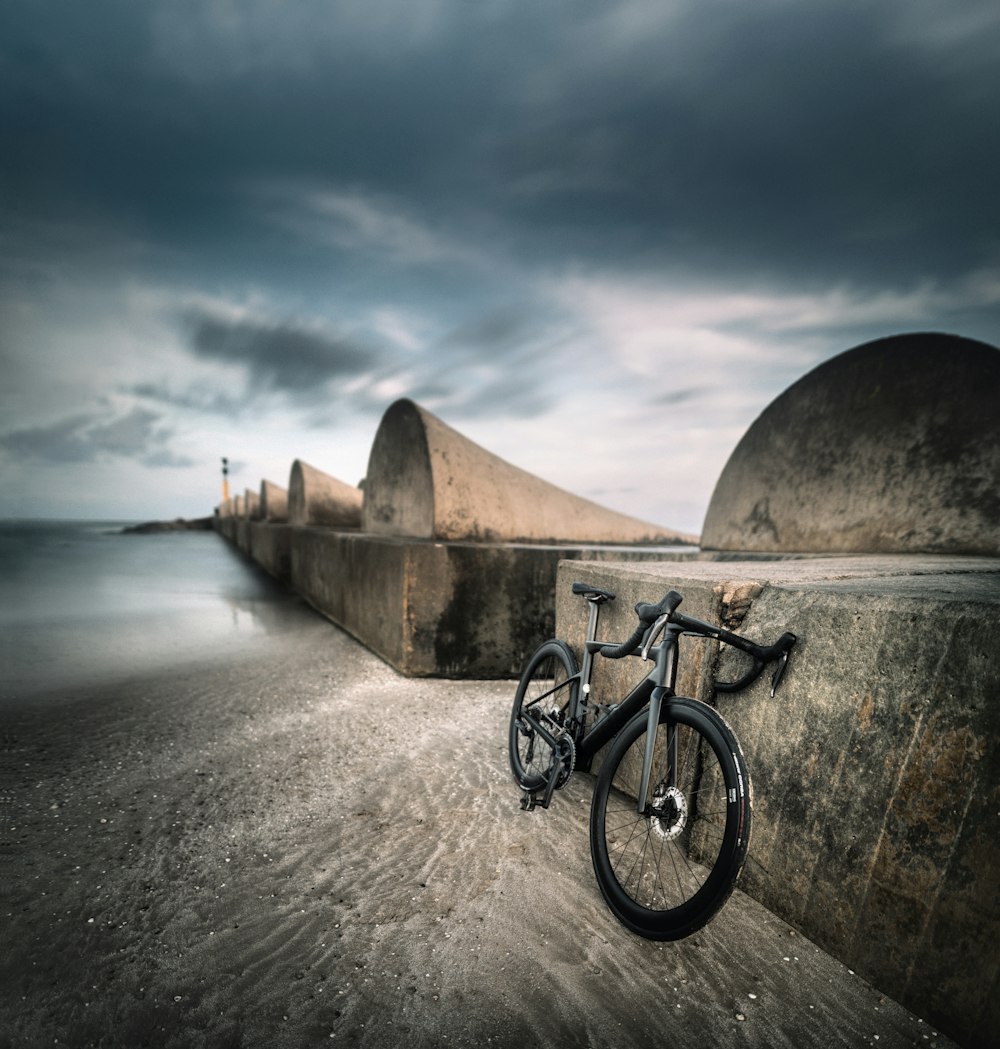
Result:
x=657 y=685
x=667 y=852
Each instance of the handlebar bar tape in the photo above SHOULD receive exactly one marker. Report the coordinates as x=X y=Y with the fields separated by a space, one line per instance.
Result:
x=761 y=657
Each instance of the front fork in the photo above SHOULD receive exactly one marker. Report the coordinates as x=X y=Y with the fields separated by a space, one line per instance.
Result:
x=653 y=720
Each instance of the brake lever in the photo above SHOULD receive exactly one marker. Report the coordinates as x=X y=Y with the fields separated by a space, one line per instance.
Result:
x=779 y=673
x=658 y=625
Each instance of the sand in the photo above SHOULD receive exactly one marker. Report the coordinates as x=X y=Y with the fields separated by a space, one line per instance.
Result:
x=303 y=848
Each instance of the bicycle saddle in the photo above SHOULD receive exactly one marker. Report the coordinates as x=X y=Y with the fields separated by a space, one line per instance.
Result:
x=593 y=593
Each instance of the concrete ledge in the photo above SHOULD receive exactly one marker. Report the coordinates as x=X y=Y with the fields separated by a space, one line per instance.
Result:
x=876 y=769
x=437 y=609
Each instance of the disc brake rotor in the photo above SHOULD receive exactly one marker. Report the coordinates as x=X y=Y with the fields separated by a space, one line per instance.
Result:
x=669 y=812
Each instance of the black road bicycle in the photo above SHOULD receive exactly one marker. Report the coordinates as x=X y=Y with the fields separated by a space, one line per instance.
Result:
x=670 y=817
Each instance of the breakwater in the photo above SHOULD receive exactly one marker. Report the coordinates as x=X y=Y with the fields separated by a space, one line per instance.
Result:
x=876 y=765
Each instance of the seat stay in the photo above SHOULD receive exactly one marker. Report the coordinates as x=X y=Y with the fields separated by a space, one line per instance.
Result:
x=567 y=683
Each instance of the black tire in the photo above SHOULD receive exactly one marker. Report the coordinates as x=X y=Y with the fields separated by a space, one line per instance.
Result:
x=665 y=873
x=548 y=687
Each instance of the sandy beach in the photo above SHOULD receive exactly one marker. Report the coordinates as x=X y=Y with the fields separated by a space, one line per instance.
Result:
x=300 y=847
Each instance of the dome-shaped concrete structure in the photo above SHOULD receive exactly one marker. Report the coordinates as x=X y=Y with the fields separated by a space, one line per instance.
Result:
x=251 y=505
x=273 y=502
x=427 y=481
x=316 y=498
x=892 y=447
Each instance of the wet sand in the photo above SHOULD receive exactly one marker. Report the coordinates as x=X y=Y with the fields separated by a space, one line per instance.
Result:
x=301 y=847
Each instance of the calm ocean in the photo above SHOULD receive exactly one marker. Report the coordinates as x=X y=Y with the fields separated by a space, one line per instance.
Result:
x=82 y=604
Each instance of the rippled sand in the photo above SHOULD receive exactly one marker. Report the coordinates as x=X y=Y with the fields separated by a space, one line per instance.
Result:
x=301 y=846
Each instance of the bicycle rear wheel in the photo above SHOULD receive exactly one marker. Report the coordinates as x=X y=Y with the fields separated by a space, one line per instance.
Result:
x=666 y=871
x=547 y=689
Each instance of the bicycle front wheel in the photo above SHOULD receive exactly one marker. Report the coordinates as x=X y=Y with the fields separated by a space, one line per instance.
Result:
x=547 y=690
x=666 y=871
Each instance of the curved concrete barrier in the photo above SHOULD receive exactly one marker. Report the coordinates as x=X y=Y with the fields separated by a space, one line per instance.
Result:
x=892 y=447
x=273 y=502
x=316 y=498
x=425 y=480
x=251 y=505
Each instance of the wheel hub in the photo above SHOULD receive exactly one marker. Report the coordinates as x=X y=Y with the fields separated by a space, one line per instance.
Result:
x=669 y=812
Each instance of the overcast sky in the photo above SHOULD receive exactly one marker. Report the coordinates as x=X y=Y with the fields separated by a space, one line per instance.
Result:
x=598 y=238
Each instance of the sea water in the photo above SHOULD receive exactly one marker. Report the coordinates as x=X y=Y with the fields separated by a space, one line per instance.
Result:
x=83 y=604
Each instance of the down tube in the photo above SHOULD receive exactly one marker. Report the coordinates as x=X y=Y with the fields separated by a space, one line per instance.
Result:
x=609 y=726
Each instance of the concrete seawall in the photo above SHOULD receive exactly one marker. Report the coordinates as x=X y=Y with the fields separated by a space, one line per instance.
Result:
x=444 y=561
x=876 y=766
x=471 y=610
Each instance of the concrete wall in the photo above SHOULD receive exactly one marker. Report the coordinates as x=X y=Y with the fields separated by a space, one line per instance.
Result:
x=876 y=768
x=436 y=609
x=270 y=545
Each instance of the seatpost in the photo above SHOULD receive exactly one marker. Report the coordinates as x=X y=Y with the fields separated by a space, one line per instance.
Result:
x=588 y=657
x=592 y=614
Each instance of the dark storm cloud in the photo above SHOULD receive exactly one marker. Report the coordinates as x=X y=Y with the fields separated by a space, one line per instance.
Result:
x=282 y=357
x=803 y=139
x=87 y=438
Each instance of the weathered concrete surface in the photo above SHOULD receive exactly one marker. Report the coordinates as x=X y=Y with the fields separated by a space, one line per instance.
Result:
x=876 y=768
x=242 y=534
x=891 y=447
x=427 y=481
x=316 y=498
x=251 y=505
x=273 y=502
x=443 y=609
x=270 y=545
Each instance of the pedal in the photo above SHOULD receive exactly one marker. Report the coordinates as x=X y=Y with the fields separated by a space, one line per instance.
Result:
x=527 y=801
